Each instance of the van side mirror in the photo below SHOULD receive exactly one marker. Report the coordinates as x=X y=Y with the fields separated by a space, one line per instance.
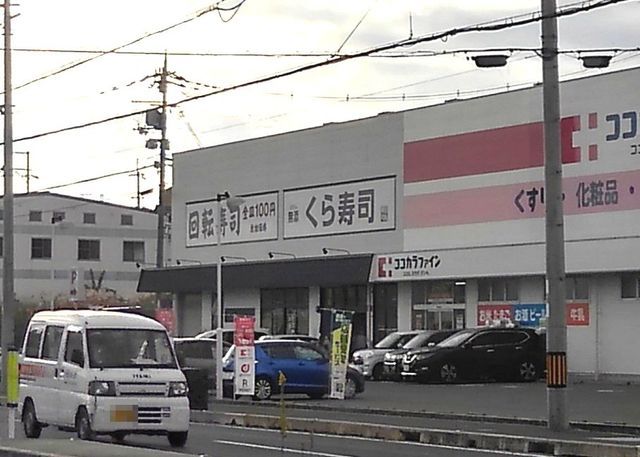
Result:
x=77 y=357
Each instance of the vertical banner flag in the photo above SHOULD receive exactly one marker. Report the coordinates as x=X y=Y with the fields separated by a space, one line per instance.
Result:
x=340 y=343
x=244 y=383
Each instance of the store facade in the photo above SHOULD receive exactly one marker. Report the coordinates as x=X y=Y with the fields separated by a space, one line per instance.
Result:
x=446 y=201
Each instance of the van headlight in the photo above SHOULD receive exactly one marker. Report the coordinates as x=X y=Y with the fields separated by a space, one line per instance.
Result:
x=102 y=388
x=178 y=389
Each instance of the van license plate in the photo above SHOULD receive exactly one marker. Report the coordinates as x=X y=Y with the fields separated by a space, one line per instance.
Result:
x=124 y=414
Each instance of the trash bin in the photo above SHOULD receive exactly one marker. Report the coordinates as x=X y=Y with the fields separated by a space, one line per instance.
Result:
x=198 y=383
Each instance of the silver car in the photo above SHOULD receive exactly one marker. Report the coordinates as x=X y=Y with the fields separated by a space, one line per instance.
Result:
x=370 y=362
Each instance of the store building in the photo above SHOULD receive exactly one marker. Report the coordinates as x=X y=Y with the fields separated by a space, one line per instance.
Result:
x=444 y=208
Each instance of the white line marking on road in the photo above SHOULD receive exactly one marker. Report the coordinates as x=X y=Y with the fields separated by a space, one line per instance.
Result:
x=281 y=449
x=360 y=438
x=606 y=391
x=629 y=439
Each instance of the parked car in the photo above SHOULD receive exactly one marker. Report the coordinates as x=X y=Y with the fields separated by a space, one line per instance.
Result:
x=198 y=353
x=479 y=353
x=370 y=362
x=424 y=339
x=304 y=365
x=291 y=337
x=227 y=334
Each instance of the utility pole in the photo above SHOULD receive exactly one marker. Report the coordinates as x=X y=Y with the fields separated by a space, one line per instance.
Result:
x=8 y=299
x=163 y=142
x=554 y=225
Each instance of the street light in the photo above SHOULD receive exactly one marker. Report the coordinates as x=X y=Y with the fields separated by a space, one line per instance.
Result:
x=181 y=261
x=224 y=258
x=233 y=203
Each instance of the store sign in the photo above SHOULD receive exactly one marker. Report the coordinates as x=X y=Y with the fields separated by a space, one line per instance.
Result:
x=577 y=314
x=245 y=355
x=529 y=315
x=167 y=318
x=255 y=220
x=405 y=266
x=489 y=313
x=341 y=326
x=362 y=206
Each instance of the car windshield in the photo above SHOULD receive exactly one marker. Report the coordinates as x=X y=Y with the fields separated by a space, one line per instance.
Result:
x=455 y=340
x=394 y=340
x=417 y=341
x=129 y=348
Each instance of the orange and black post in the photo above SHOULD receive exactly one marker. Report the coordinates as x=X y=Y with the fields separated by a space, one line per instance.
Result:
x=556 y=369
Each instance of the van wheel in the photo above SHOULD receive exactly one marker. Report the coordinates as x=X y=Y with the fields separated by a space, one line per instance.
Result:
x=32 y=428
x=118 y=437
x=177 y=439
x=83 y=425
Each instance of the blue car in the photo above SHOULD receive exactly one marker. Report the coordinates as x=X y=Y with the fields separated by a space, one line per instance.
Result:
x=305 y=366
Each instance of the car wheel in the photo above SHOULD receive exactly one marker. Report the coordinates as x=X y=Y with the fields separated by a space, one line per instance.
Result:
x=177 y=439
x=448 y=373
x=32 y=428
x=350 y=387
x=263 y=389
x=377 y=372
x=527 y=371
x=83 y=425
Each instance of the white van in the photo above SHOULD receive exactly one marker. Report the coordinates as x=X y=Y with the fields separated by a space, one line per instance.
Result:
x=101 y=372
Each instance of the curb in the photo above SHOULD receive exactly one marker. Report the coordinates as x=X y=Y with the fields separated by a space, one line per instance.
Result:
x=613 y=427
x=475 y=440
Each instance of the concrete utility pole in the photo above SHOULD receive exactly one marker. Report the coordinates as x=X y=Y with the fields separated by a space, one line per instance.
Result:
x=554 y=224
x=8 y=301
x=163 y=142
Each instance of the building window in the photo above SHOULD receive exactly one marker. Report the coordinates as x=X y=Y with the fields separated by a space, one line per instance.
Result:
x=630 y=285
x=126 y=219
x=425 y=292
x=231 y=313
x=285 y=311
x=577 y=288
x=58 y=216
x=88 y=249
x=498 y=289
x=133 y=251
x=1 y=214
x=89 y=218
x=40 y=248
x=1 y=246
x=35 y=216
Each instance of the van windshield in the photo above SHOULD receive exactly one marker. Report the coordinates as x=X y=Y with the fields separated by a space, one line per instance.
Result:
x=129 y=348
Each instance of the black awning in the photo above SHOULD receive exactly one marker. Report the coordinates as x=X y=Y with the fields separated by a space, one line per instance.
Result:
x=317 y=271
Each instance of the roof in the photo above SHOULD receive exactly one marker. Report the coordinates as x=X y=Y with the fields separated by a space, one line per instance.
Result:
x=314 y=271
x=80 y=199
x=106 y=319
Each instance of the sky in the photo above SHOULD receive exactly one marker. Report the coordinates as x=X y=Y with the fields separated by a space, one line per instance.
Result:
x=210 y=50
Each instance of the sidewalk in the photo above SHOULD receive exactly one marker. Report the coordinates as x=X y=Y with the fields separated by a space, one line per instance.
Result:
x=75 y=448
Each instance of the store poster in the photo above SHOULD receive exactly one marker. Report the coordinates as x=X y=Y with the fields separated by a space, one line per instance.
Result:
x=341 y=326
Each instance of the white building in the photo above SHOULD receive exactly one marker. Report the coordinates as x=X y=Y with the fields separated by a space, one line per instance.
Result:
x=68 y=248
x=434 y=218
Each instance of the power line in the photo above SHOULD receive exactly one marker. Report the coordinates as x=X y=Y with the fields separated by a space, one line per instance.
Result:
x=337 y=59
x=214 y=7
x=96 y=178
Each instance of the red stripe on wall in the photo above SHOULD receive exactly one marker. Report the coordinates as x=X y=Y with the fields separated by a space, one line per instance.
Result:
x=487 y=151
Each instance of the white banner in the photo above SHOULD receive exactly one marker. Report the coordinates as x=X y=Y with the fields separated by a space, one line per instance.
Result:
x=244 y=370
x=256 y=219
x=361 y=206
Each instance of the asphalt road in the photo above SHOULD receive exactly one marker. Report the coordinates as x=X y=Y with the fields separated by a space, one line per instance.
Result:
x=225 y=441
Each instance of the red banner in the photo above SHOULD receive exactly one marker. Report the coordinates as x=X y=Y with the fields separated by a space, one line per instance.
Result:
x=577 y=313
x=243 y=335
x=166 y=317
x=489 y=313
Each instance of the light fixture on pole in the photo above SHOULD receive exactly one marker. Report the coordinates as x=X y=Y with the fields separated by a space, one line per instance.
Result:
x=272 y=254
x=490 y=60
x=233 y=203
x=326 y=251
x=224 y=258
x=181 y=261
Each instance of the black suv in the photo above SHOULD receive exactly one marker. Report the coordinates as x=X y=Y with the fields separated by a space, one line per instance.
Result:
x=479 y=353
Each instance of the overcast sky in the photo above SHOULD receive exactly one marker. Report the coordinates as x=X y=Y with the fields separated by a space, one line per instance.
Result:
x=117 y=84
